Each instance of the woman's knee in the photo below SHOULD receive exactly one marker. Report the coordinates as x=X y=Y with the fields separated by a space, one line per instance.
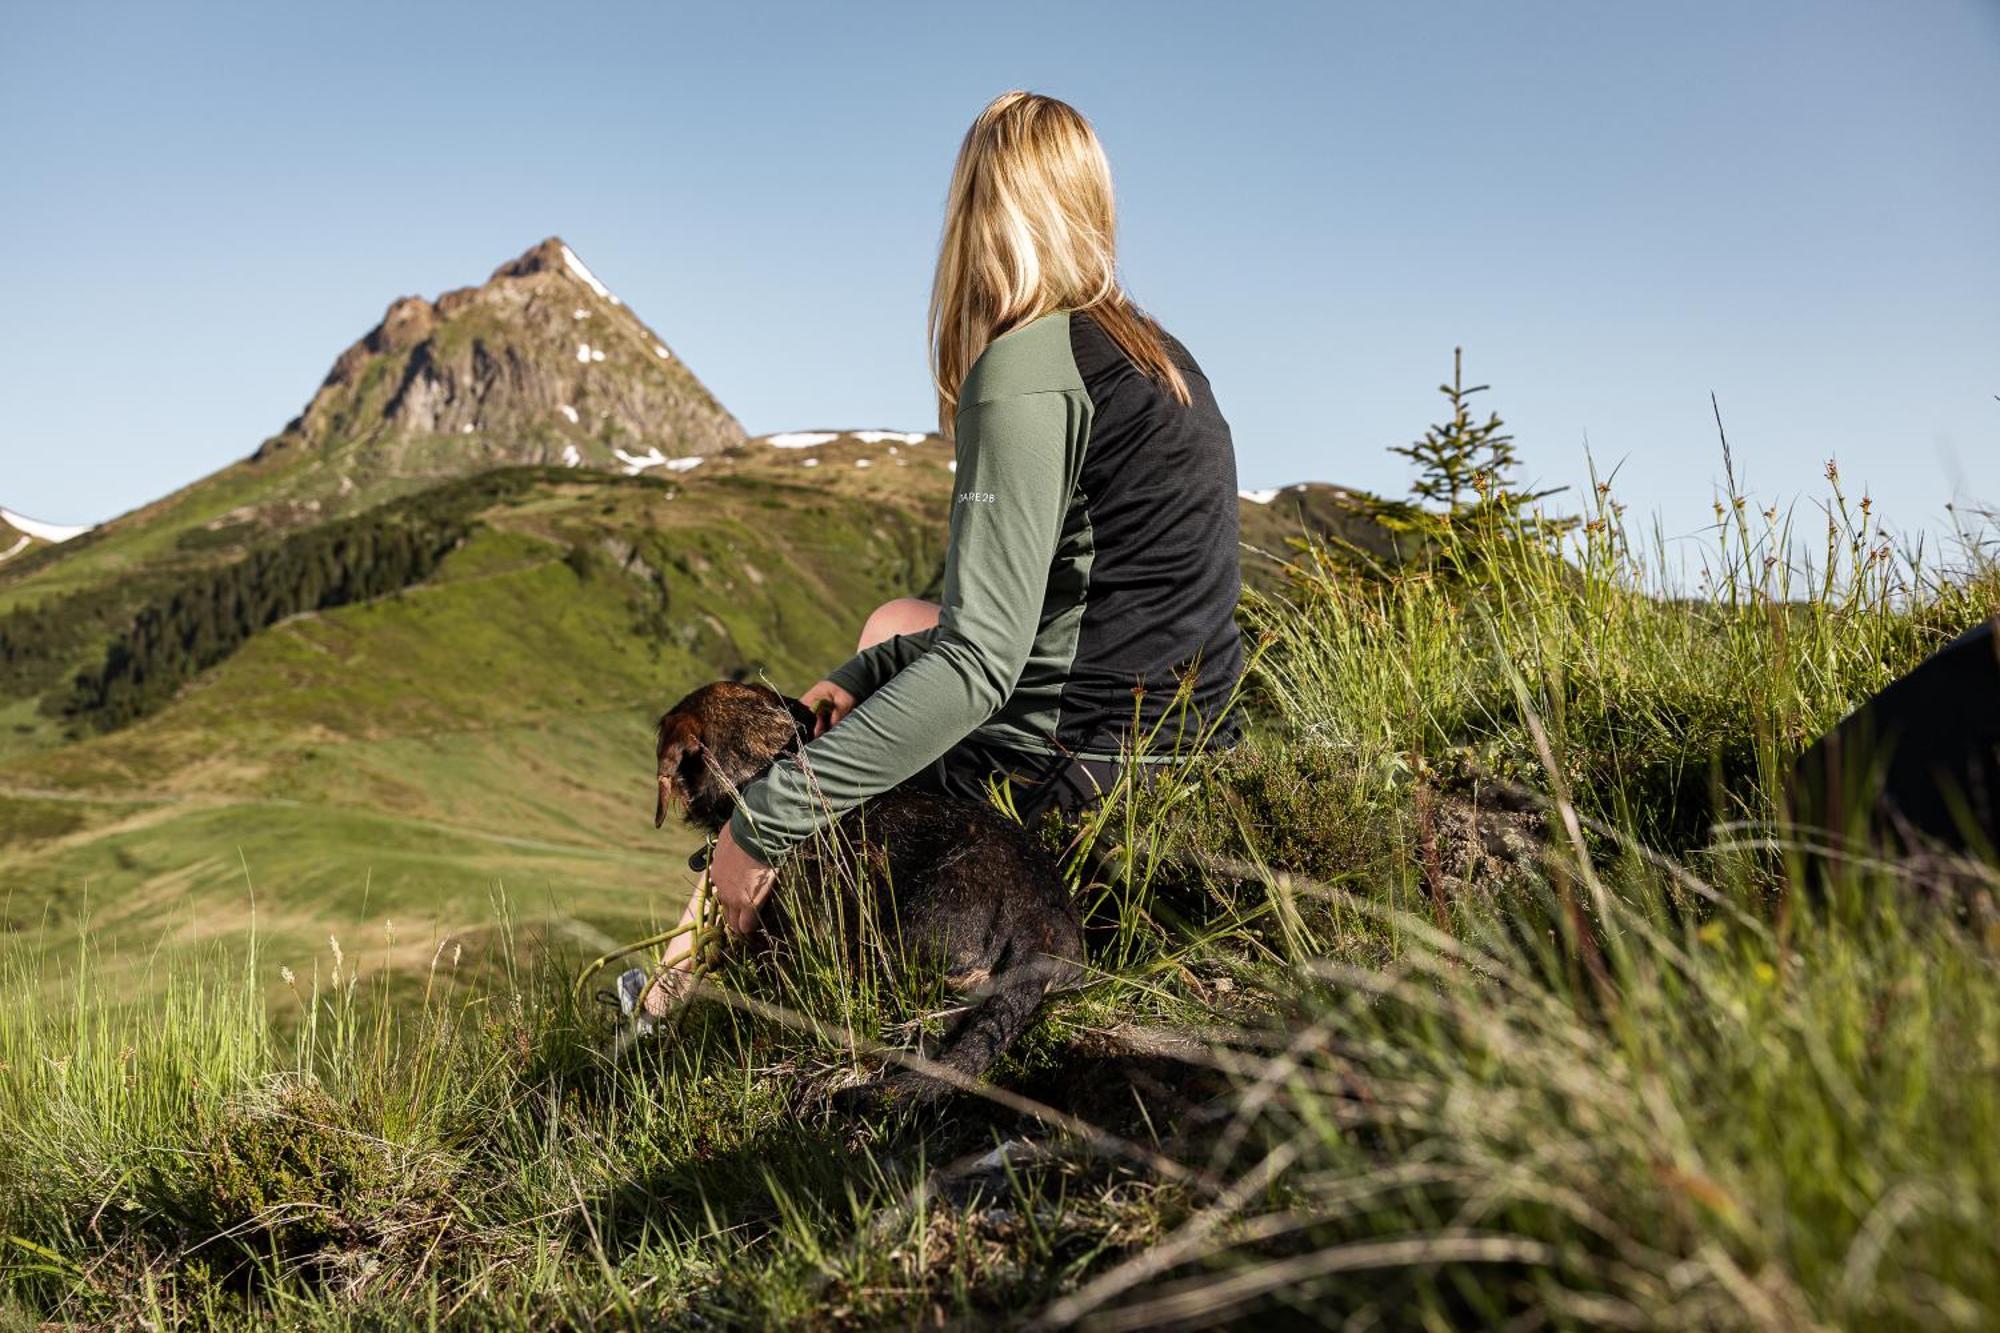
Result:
x=905 y=615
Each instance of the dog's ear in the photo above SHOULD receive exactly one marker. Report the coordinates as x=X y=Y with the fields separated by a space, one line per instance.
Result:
x=679 y=744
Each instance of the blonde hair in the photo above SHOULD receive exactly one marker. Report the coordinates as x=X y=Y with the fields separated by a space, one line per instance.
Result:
x=1029 y=228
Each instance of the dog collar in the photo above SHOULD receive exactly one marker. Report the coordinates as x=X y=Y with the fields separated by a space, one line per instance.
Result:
x=699 y=859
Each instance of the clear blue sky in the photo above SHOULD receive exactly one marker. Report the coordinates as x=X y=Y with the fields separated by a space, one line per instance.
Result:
x=1616 y=209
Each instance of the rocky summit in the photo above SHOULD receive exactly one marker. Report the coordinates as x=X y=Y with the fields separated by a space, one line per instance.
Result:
x=541 y=364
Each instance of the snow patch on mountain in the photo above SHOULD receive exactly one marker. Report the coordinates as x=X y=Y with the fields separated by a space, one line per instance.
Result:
x=652 y=458
x=48 y=532
x=884 y=436
x=637 y=463
x=1261 y=497
x=589 y=278
x=802 y=439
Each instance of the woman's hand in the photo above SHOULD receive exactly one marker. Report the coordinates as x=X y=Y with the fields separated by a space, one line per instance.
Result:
x=740 y=883
x=829 y=703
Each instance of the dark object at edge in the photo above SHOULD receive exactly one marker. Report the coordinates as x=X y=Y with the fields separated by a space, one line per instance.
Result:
x=1917 y=767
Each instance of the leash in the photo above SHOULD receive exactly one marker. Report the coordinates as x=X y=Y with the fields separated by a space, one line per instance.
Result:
x=706 y=926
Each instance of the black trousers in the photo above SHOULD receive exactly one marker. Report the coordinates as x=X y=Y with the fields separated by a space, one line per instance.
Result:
x=1041 y=782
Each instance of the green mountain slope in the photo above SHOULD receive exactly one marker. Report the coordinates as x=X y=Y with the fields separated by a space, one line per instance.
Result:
x=485 y=730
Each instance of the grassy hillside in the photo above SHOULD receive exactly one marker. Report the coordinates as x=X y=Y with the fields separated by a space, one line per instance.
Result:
x=1475 y=992
x=485 y=731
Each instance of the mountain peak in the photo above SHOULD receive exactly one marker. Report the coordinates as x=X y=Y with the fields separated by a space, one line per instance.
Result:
x=554 y=256
x=542 y=363
x=544 y=254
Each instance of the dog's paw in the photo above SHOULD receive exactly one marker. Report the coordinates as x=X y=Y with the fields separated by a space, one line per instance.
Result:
x=872 y=1100
x=898 y=1094
x=856 y=1101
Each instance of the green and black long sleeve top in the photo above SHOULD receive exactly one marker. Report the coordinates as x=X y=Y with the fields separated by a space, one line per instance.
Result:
x=1093 y=553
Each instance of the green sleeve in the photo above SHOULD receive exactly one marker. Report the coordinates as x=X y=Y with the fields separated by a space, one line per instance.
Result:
x=1016 y=467
x=864 y=673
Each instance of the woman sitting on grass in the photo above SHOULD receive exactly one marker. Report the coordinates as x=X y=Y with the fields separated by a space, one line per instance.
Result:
x=1093 y=551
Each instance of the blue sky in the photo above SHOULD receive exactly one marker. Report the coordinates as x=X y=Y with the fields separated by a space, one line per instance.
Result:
x=1615 y=208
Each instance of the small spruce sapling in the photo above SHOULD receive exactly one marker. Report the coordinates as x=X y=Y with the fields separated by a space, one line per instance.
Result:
x=1465 y=470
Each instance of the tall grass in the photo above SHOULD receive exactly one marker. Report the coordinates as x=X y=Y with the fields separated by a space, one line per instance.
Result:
x=1722 y=1127
x=1615 y=1092
x=1672 y=695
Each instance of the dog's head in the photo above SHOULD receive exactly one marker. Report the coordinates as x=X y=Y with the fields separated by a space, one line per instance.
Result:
x=717 y=740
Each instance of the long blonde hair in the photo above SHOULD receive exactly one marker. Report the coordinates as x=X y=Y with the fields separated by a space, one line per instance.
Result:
x=1030 y=228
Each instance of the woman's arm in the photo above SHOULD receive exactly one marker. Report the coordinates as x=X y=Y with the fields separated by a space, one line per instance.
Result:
x=1016 y=467
x=865 y=672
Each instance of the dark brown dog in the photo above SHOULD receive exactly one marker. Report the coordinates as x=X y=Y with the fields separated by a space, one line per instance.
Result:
x=974 y=894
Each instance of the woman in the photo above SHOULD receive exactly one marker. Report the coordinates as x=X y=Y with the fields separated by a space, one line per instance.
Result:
x=1093 y=550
